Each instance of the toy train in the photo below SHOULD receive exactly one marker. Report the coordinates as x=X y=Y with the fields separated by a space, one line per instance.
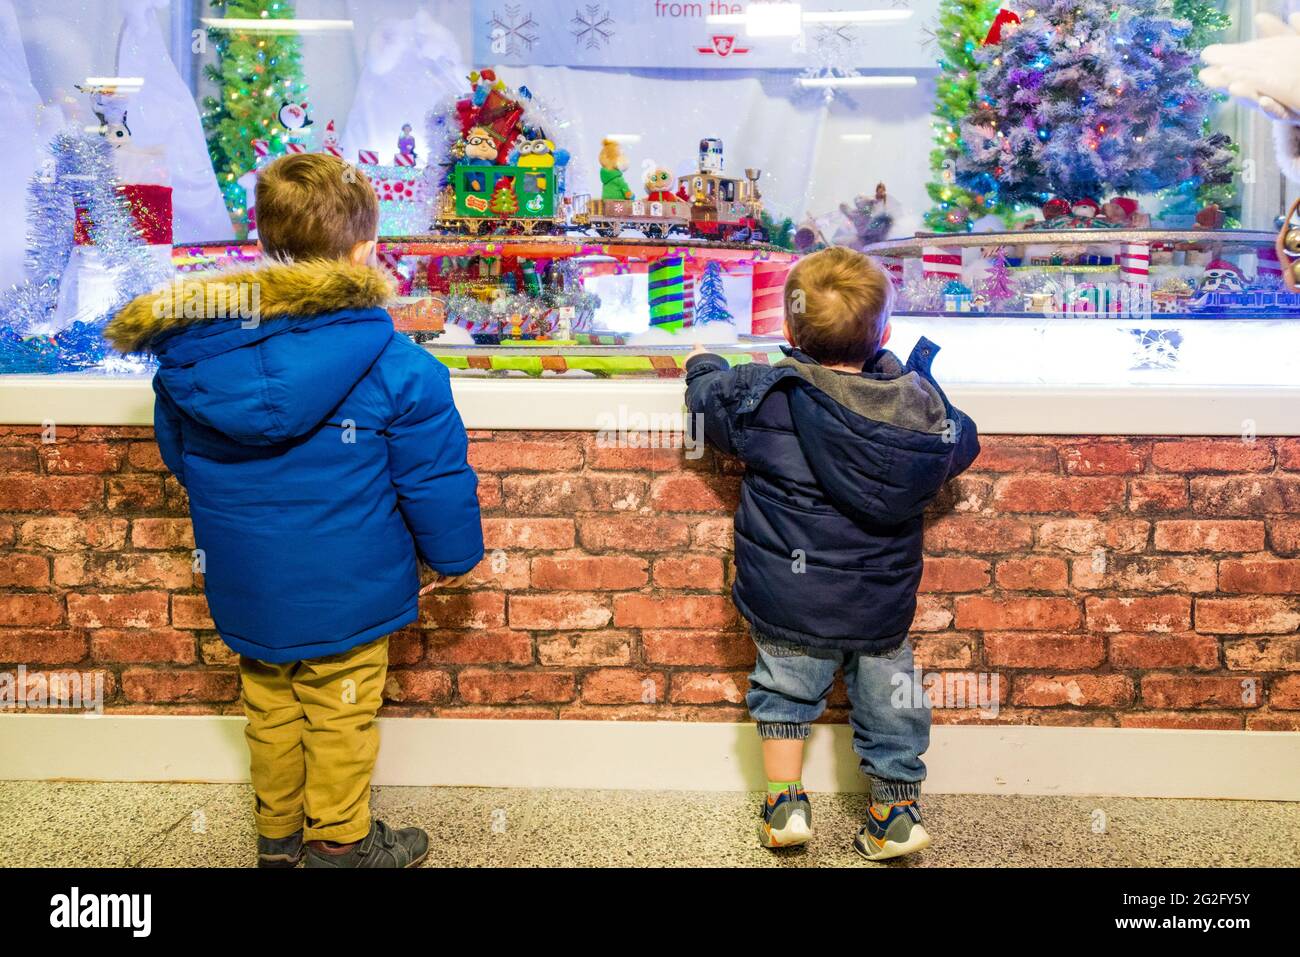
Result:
x=525 y=200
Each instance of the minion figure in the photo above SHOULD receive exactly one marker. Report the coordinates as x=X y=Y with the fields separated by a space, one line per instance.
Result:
x=537 y=153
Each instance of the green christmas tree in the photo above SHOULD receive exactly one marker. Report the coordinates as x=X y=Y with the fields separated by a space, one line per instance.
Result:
x=962 y=27
x=504 y=201
x=255 y=72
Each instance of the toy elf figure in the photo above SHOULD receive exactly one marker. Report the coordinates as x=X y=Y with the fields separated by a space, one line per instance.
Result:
x=612 y=164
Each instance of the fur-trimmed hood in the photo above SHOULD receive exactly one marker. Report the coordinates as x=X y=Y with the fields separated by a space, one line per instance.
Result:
x=279 y=290
x=262 y=356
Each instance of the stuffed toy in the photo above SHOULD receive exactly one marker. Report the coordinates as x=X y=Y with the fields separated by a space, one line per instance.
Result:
x=612 y=164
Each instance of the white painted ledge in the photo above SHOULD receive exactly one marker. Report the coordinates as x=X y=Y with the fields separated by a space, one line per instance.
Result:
x=675 y=756
x=590 y=404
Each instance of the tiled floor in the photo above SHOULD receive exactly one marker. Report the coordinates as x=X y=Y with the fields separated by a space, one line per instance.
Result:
x=83 y=824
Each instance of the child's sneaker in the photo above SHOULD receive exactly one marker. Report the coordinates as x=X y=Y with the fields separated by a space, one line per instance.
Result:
x=382 y=847
x=891 y=833
x=279 y=851
x=787 y=819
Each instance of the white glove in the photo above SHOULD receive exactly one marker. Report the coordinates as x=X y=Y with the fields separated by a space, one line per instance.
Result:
x=1264 y=72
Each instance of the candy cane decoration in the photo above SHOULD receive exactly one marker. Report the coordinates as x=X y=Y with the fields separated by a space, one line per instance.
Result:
x=768 y=304
x=261 y=149
x=367 y=158
x=893 y=267
x=295 y=147
x=940 y=262
x=1135 y=262
x=404 y=159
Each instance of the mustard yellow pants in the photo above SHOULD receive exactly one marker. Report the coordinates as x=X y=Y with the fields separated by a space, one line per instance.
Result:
x=313 y=741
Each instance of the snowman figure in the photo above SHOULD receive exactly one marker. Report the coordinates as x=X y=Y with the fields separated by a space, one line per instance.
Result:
x=293 y=117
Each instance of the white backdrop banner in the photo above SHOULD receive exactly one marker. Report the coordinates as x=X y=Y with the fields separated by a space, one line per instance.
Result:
x=669 y=34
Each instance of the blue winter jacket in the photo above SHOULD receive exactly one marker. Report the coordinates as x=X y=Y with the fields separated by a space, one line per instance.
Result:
x=839 y=468
x=321 y=451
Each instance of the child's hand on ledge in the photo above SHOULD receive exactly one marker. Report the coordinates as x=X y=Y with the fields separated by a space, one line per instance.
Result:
x=440 y=580
x=699 y=350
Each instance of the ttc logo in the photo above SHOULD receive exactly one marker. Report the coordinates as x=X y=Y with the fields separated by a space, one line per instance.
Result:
x=723 y=46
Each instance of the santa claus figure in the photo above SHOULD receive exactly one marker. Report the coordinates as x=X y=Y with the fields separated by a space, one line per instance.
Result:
x=1222 y=276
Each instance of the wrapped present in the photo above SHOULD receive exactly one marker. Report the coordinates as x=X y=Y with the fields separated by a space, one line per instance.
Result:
x=403 y=159
x=367 y=158
x=768 y=303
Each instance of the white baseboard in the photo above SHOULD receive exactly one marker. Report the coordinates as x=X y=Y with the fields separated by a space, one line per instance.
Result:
x=1249 y=765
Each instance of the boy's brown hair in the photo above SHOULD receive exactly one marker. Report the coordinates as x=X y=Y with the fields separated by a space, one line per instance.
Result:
x=314 y=206
x=837 y=303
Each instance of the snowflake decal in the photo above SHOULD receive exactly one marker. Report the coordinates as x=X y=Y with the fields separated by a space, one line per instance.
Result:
x=513 y=33
x=833 y=51
x=592 y=26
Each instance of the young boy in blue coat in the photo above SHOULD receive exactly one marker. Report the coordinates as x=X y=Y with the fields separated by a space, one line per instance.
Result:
x=324 y=459
x=844 y=447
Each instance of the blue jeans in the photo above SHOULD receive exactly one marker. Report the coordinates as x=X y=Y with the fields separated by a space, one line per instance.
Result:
x=891 y=730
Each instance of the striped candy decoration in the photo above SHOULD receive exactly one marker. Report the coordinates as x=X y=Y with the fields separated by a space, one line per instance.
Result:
x=1135 y=262
x=333 y=150
x=294 y=147
x=768 y=306
x=688 y=300
x=404 y=159
x=937 y=261
x=367 y=158
x=261 y=148
x=667 y=292
x=1267 y=263
x=893 y=267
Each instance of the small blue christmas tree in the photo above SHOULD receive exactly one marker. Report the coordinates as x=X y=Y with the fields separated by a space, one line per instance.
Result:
x=711 y=297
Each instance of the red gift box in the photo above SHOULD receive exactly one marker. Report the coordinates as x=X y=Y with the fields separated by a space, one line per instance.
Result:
x=151 y=208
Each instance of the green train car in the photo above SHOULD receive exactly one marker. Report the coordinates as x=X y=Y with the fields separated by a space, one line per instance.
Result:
x=483 y=195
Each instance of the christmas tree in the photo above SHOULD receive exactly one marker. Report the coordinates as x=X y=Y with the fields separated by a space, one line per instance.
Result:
x=503 y=200
x=1085 y=99
x=1219 y=153
x=255 y=73
x=711 y=297
x=998 y=285
x=962 y=26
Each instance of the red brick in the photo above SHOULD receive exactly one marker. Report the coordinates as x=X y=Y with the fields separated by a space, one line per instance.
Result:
x=478 y=609
x=214 y=651
x=1280 y=653
x=140 y=609
x=643 y=459
x=954 y=574
x=478 y=647
x=589 y=572
x=1209 y=535
x=1086 y=535
x=690 y=492
x=191 y=611
x=406 y=647
x=963 y=533
x=585 y=648
x=1079 y=691
x=714 y=533
x=558 y=493
x=981 y=613
x=1164 y=651
x=1159 y=613
x=633 y=533
x=1145 y=573
x=545 y=534
x=500 y=569
x=1284 y=693
x=1272 y=721
x=152 y=646
x=953 y=650
x=559 y=612
x=1284 y=535
x=701 y=572
x=19 y=460
x=504 y=455
x=118 y=570
x=1103 y=458
x=1246 y=495
x=24 y=571
x=489 y=492
x=39 y=647
x=1181 y=721
x=1288 y=454
x=105 y=433
x=1155 y=496
x=134 y=493
x=1247 y=616
x=933 y=613
x=1043 y=650
x=1183 y=692
x=79 y=458
x=162 y=533
x=141 y=684
x=145 y=457
x=1279 y=577
x=47 y=493
x=30 y=610
x=708 y=688
x=68 y=534
x=1043 y=493
x=417 y=686
x=718 y=649
x=1013 y=454
x=623 y=686
x=515 y=687
x=673 y=611
x=967 y=494
x=1197 y=456
x=1035 y=573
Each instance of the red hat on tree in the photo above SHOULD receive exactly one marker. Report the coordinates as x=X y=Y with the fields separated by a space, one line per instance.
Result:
x=1004 y=18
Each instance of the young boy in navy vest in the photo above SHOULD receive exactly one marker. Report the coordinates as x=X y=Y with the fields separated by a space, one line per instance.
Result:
x=844 y=447
x=324 y=459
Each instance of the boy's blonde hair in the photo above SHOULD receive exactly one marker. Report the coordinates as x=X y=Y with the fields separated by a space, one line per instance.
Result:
x=837 y=303
x=314 y=206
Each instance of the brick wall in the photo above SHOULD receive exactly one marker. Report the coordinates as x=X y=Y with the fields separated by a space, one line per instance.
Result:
x=1115 y=582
